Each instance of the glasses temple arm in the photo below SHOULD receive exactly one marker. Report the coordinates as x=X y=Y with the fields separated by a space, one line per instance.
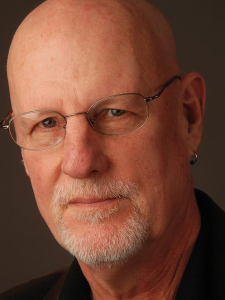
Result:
x=2 y=123
x=167 y=84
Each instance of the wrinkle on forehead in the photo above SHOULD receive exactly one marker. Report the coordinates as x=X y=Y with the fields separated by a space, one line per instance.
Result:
x=96 y=33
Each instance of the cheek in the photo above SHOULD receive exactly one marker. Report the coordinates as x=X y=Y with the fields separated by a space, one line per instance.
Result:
x=44 y=171
x=154 y=159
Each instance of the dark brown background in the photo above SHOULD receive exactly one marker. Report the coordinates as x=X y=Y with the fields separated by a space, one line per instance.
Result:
x=27 y=248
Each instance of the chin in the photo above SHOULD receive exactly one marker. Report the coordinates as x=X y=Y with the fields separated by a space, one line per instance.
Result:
x=105 y=243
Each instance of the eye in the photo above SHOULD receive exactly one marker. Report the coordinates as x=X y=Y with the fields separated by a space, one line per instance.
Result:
x=116 y=112
x=47 y=123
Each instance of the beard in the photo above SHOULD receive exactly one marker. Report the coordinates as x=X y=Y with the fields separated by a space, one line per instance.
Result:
x=104 y=243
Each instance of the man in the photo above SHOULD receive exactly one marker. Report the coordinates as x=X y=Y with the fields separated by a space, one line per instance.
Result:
x=111 y=175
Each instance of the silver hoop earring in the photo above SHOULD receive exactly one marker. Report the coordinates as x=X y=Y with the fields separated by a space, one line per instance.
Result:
x=194 y=159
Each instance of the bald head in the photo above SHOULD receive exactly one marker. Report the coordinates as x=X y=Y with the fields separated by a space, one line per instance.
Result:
x=97 y=36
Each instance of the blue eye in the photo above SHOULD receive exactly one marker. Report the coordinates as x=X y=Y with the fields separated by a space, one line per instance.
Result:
x=116 y=112
x=47 y=123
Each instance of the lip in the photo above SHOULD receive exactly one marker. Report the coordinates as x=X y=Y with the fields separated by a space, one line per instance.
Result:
x=93 y=204
x=89 y=201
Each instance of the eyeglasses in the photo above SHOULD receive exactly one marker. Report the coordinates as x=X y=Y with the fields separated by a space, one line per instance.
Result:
x=114 y=115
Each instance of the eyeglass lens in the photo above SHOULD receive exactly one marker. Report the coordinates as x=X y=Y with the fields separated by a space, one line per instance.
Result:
x=38 y=130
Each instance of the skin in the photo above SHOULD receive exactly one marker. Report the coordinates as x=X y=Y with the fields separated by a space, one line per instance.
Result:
x=65 y=56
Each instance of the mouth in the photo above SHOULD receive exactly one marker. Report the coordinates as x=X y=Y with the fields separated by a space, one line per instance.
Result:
x=93 y=203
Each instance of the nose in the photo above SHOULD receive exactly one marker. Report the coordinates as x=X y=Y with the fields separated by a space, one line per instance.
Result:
x=83 y=152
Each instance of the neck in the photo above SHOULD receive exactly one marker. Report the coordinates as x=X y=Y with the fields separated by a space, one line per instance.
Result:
x=155 y=272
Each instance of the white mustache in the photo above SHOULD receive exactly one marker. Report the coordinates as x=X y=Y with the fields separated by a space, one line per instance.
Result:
x=89 y=189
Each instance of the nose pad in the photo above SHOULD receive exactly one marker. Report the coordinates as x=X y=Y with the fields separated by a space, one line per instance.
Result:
x=83 y=152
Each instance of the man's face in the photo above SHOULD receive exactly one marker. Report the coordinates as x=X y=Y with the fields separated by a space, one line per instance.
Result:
x=102 y=193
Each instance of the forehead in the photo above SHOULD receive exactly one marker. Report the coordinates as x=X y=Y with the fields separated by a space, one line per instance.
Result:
x=58 y=71
x=90 y=55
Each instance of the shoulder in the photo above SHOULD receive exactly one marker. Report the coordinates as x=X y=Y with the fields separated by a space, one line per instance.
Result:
x=215 y=220
x=208 y=208
x=38 y=288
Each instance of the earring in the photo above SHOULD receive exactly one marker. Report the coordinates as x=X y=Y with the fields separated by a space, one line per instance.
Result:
x=194 y=159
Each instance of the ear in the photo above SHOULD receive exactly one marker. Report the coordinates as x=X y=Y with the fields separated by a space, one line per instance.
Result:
x=193 y=94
